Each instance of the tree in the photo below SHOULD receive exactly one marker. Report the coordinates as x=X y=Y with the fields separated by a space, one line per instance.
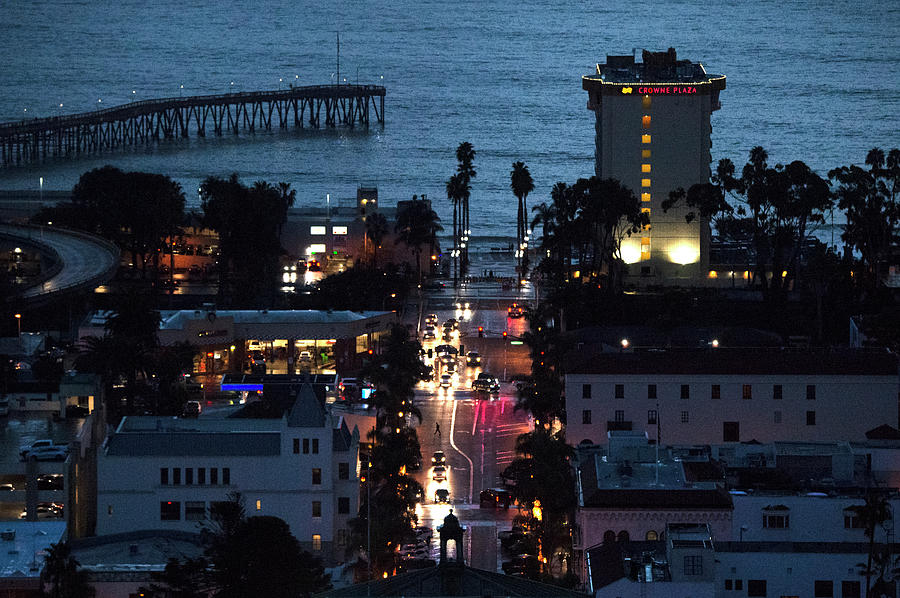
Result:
x=457 y=191
x=521 y=185
x=376 y=230
x=62 y=575
x=872 y=514
x=465 y=157
x=394 y=372
x=417 y=226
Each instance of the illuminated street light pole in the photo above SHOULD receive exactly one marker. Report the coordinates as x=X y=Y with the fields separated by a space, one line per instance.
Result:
x=18 y=318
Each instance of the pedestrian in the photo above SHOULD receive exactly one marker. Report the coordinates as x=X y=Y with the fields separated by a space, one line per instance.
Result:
x=437 y=429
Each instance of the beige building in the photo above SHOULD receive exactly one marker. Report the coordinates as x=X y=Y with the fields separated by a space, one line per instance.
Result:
x=653 y=135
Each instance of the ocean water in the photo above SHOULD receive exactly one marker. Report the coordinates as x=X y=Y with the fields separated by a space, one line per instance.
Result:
x=817 y=81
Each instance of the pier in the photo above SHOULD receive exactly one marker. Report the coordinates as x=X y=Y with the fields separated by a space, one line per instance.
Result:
x=149 y=121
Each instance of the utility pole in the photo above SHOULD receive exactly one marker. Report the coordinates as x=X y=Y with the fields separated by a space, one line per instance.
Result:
x=338 y=57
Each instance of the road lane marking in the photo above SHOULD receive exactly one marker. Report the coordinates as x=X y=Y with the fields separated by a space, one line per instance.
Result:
x=456 y=448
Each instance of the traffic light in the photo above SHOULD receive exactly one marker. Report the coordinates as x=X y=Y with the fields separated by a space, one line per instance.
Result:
x=504 y=335
x=481 y=332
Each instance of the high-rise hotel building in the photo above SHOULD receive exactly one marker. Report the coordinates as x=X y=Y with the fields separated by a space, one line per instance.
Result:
x=653 y=135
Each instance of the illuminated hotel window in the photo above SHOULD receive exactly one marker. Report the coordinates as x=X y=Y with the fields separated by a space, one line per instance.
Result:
x=645 y=248
x=645 y=101
x=647 y=212
x=645 y=168
x=645 y=182
x=645 y=121
x=645 y=197
x=645 y=138
x=645 y=153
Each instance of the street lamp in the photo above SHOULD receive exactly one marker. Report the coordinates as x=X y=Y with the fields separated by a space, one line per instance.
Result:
x=133 y=94
x=18 y=318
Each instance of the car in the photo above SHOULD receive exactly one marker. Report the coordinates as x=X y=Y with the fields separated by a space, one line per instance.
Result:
x=431 y=319
x=36 y=445
x=447 y=336
x=452 y=323
x=447 y=358
x=450 y=367
x=46 y=510
x=423 y=533
x=527 y=565
x=486 y=383
x=438 y=458
x=7 y=487
x=192 y=409
x=305 y=356
x=429 y=333
x=52 y=481
x=439 y=473
x=349 y=389
x=47 y=453
x=446 y=380
x=473 y=358
x=515 y=311
x=257 y=363
x=497 y=498
x=441 y=495
x=446 y=350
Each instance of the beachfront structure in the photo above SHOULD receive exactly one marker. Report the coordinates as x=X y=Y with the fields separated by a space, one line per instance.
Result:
x=714 y=396
x=161 y=473
x=653 y=135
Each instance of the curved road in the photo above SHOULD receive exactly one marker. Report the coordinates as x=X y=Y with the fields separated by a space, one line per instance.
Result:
x=86 y=261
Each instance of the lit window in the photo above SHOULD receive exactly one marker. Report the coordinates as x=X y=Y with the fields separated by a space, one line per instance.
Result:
x=713 y=274
x=645 y=211
x=652 y=535
x=317 y=542
x=258 y=505
x=338 y=230
x=645 y=101
x=317 y=230
x=645 y=121
x=645 y=168
x=645 y=153
x=645 y=197
x=645 y=138
x=645 y=182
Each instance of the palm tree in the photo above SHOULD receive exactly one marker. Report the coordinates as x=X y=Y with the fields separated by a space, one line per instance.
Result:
x=376 y=229
x=417 y=225
x=62 y=576
x=873 y=513
x=465 y=156
x=521 y=185
x=457 y=192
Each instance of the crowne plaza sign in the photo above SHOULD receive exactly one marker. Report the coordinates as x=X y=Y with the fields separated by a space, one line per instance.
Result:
x=653 y=90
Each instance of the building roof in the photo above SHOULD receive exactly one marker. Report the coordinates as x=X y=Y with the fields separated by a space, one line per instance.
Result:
x=733 y=362
x=194 y=444
x=23 y=544
x=133 y=552
x=176 y=320
x=658 y=499
x=307 y=411
x=800 y=547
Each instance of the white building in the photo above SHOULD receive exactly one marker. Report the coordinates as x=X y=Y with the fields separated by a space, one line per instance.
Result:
x=165 y=473
x=653 y=134
x=732 y=395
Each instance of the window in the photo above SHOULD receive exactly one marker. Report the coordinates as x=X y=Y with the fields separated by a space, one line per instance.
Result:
x=651 y=416
x=715 y=392
x=188 y=476
x=620 y=415
x=645 y=197
x=727 y=584
x=315 y=446
x=296 y=446
x=214 y=476
x=338 y=230
x=109 y=509
x=170 y=510
x=824 y=588
x=645 y=154
x=176 y=476
x=645 y=139
x=306 y=446
x=343 y=505
x=645 y=182
x=645 y=121
x=850 y=589
x=777 y=417
x=645 y=248
x=585 y=391
x=317 y=542
x=651 y=535
x=317 y=508
x=317 y=230
x=226 y=476
x=747 y=391
x=651 y=391
x=693 y=565
x=645 y=168
x=810 y=418
x=343 y=471
x=620 y=391
x=258 y=505
x=776 y=520
x=685 y=417
x=194 y=511
x=852 y=520
x=685 y=391
x=201 y=475
x=777 y=392
x=810 y=392
x=738 y=584
x=731 y=431
x=164 y=476
x=316 y=476
x=586 y=416
x=756 y=587
x=645 y=101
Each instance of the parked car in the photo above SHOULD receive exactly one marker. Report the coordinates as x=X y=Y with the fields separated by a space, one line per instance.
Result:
x=47 y=453
x=38 y=444
x=438 y=458
x=439 y=473
x=497 y=498
x=192 y=409
x=473 y=358
x=305 y=356
x=257 y=363
x=51 y=481
x=441 y=495
x=7 y=488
